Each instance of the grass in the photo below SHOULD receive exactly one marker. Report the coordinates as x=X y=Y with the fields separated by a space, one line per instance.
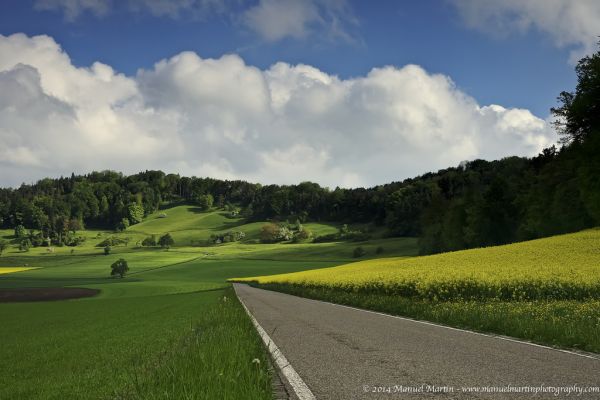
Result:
x=164 y=330
x=546 y=290
x=222 y=359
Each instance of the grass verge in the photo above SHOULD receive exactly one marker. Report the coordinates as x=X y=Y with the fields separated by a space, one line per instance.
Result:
x=560 y=323
x=223 y=358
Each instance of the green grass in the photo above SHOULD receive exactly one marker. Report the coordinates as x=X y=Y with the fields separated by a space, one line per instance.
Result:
x=222 y=359
x=546 y=290
x=161 y=332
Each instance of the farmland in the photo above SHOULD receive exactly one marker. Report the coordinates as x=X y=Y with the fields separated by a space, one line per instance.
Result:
x=172 y=327
x=547 y=290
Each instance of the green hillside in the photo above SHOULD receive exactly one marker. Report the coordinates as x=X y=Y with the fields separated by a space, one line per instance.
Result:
x=168 y=298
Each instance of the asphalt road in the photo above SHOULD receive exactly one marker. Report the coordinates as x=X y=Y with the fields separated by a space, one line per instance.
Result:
x=343 y=353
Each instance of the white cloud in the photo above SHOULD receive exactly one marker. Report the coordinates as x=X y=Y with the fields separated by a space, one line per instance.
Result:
x=568 y=22
x=274 y=20
x=223 y=118
x=73 y=8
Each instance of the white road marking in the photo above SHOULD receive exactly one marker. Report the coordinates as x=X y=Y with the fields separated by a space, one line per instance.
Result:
x=509 y=339
x=298 y=385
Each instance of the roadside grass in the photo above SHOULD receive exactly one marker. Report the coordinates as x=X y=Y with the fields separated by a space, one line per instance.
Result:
x=222 y=358
x=90 y=348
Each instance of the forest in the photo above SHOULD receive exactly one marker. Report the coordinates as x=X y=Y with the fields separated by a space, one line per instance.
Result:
x=478 y=203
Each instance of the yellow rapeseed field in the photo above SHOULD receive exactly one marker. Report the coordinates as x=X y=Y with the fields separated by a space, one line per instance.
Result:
x=556 y=268
x=10 y=270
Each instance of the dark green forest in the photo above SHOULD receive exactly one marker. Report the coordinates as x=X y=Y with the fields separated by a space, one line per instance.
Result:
x=479 y=203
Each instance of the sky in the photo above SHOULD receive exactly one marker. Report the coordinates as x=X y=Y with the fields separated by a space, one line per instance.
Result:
x=340 y=92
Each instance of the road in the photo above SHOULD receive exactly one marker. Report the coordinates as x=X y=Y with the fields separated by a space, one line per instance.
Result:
x=344 y=353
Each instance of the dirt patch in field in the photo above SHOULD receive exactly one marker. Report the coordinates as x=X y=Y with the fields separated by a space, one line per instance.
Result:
x=44 y=294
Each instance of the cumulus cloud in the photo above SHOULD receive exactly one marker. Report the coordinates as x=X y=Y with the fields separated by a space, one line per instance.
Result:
x=226 y=119
x=568 y=22
x=277 y=19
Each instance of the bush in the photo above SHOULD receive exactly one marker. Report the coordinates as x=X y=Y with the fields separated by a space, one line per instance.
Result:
x=150 y=241
x=107 y=250
x=24 y=245
x=70 y=239
x=269 y=233
x=112 y=241
x=302 y=234
x=379 y=250
x=331 y=237
x=230 y=236
x=124 y=224
x=358 y=252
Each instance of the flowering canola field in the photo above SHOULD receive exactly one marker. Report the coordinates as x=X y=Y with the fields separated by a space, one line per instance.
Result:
x=565 y=267
x=10 y=270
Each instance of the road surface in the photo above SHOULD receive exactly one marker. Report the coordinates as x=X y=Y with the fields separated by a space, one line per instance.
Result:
x=344 y=353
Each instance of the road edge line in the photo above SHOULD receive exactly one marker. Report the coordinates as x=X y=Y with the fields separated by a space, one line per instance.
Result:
x=583 y=354
x=289 y=373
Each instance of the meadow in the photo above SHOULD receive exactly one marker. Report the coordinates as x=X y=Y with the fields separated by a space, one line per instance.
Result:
x=545 y=290
x=172 y=328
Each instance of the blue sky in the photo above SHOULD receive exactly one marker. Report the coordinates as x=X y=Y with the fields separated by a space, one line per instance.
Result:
x=311 y=74
x=525 y=70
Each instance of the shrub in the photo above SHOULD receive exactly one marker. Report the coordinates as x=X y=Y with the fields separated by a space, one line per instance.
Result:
x=107 y=250
x=24 y=245
x=230 y=236
x=112 y=241
x=302 y=234
x=124 y=224
x=331 y=237
x=150 y=241
x=379 y=250
x=269 y=233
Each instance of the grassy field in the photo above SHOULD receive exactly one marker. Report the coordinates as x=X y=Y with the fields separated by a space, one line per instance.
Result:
x=165 y=330
x=546 y=290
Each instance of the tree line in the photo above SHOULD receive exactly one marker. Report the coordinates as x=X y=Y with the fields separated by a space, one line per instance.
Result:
x=478 y=203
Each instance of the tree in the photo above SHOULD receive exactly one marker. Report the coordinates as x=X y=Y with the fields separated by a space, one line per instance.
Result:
x=166 y=241
x=75 y=225
x=135 y=212
x=579 y=113
x=119 y=267
x=124 y=224
x=20 y=231
x=205 y=201
x=358 y=252
x=3 y=246
x=149 y=241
